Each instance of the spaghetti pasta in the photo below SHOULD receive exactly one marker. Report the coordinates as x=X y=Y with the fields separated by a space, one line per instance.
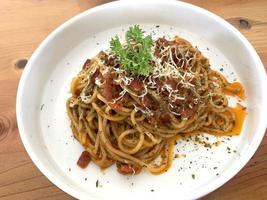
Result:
x=134 y=120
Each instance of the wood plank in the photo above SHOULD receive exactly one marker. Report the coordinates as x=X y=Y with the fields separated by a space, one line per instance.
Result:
x=25 y=23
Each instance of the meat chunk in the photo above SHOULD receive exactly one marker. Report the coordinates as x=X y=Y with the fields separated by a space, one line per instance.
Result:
x=87 y=64
x=137 y=85
x=150 y=103
x=188 y=113
x=171 y=83
x=94 y=76
x=84 y=159
x=162 y=42
x=165 y=117
x=128 y=169
x=179 y=102
x=159 y=118
x=110 y=90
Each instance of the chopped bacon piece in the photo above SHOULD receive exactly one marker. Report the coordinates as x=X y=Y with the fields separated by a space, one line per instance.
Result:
x=157 y=52
x=193 y=81
x=188 y=113
x=94 y=76
x=110 y=89
x=107 y=87
x=172 y=83
x=176 y=42
x=159 y=83
x=159 y=117
x=84 y=159
x=150 y=103
x=136 y=85
x=190 y=98
x=110 y=61
x=103 y=56
x=128 y=169
x=151 y=120
x=165 y=117
x=147 y=101
x=179 y=102
x=116 y=105
x=87 y=64
x=162 y=41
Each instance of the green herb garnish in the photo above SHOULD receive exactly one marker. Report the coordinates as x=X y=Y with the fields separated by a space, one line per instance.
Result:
x=135 y=55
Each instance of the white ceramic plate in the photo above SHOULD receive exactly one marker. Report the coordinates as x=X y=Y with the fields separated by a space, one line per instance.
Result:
x=44 y=88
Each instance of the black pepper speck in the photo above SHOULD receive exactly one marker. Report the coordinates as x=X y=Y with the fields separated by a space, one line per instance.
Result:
x=193 y=176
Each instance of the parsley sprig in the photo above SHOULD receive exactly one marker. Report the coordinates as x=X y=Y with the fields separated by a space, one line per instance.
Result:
x=135 y=55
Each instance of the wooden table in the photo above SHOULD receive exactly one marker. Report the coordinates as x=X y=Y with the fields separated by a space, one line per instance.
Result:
x=25 y=23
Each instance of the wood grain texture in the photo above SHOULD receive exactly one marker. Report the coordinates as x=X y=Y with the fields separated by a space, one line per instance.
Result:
x=25 y=23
